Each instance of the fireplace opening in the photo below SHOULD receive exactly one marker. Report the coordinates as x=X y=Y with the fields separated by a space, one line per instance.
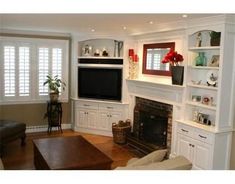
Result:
x=151 y=126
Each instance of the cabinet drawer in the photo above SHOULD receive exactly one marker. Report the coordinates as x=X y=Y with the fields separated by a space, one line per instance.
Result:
x=203 y=136
x=110 y=107
x=185 y=130
x=88 y=105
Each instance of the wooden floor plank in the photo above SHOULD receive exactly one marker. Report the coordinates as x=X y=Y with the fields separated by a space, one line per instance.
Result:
x=21 y=158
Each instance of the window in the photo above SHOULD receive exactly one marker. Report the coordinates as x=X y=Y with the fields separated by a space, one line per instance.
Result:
x=24 y=65
x=152 y=57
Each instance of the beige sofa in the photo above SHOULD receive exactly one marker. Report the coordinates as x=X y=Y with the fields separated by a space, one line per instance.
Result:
x=1 y=164
x=156 y=161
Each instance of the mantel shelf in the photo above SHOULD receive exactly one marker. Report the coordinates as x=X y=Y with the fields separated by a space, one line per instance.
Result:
x=179 y=87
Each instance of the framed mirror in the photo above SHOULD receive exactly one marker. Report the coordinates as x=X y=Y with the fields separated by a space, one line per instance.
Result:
x=152 y=57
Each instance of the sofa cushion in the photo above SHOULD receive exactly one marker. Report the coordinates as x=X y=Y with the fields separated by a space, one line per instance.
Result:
x=132 y=160
x=155 y=156
x=1 y=164
x=177 y=163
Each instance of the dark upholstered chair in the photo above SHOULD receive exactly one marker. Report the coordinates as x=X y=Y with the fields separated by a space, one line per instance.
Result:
x=10 y=131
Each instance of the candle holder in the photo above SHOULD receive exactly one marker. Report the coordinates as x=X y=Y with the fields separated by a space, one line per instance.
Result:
x=133 y=67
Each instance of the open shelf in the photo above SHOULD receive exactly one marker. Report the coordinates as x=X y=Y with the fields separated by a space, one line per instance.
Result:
x=98 y=57
x=205 y=67
x=198 y=104
x=202 y=86
x=204 y=48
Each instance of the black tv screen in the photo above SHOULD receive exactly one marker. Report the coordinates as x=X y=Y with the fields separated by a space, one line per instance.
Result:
x=100 y=83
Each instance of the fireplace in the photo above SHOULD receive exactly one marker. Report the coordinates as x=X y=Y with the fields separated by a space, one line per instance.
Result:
x=151 y=126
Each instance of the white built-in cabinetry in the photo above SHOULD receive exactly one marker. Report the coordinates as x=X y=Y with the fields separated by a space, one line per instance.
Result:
x=207 y=146
x=97 y=116
x=92 y=115
x=196 y=145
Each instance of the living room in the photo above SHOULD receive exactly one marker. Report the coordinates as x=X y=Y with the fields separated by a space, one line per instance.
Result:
x=120 y=49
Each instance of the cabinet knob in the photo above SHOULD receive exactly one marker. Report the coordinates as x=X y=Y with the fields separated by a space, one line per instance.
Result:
x=86 y=105
x=192 y=145
x=109 y=107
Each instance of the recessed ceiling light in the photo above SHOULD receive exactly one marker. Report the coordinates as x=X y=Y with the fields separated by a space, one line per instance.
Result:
x=150 y=22
x=184 y=16
x=124 y=27
x=92 y=30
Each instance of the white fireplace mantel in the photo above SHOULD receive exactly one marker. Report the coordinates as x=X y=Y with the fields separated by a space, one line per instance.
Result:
x=161 y=92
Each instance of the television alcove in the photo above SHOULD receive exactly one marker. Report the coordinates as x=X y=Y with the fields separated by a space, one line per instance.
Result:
x=100 y=83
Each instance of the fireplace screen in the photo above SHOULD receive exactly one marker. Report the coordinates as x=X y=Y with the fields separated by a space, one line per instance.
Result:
x=153 y=128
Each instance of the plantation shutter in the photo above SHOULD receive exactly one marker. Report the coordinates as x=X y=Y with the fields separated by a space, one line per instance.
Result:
x=24 y=71
x=57 y=63
x=43 y=70
x=9 y=71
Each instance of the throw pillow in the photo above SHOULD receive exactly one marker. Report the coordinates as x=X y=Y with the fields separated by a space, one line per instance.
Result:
x=155 y=156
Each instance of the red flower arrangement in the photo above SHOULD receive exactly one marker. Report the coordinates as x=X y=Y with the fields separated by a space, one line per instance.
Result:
x=173 y=58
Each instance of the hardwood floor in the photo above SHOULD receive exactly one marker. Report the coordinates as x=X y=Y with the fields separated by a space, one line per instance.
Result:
x=17 y=157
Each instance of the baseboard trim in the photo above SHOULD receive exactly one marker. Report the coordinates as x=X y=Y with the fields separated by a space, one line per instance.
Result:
x=43 y=128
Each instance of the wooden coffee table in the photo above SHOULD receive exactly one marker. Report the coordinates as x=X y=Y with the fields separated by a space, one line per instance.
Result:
x=62 y=153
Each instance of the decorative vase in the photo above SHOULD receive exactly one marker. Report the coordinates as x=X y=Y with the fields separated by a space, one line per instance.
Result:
x=177 y=75
x=215 y=38
x=200 y=60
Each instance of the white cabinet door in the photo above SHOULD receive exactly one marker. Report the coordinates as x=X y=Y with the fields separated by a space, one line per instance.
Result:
x=103 y=123
x=91 y=119
x=81 y=118
x=183 y=146
x=202 y=155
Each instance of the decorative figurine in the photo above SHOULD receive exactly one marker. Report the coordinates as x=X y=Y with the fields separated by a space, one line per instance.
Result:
x=87 y=50
x=199 y=40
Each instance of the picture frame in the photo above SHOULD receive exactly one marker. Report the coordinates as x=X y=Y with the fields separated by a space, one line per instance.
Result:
x=206 y=100
x=87 y=50
x=203 y=118
x=196 y=98
x=214 y=62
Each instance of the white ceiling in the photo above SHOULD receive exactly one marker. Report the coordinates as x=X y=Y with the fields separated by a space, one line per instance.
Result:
x=82 y=24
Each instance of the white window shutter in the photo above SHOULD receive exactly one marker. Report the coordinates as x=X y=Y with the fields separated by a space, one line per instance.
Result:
x=24 y=72
x=9 y=71
x=43 y=70
x=57 y=63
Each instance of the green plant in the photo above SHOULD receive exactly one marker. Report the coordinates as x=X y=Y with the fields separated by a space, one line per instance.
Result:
x=54 y=83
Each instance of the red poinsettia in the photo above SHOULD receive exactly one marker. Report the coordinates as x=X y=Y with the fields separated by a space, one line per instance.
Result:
x=173 y=58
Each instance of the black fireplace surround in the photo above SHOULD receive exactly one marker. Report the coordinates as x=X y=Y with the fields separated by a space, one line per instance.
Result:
x=150 y=126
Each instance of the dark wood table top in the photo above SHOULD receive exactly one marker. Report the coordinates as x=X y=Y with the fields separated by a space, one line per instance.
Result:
x=70 y=153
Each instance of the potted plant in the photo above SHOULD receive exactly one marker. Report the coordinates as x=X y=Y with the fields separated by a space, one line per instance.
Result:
x=54 y=83
x=177 y=71
x=215 y=38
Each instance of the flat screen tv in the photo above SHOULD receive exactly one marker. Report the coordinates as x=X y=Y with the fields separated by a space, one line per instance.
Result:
x=100 y=83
